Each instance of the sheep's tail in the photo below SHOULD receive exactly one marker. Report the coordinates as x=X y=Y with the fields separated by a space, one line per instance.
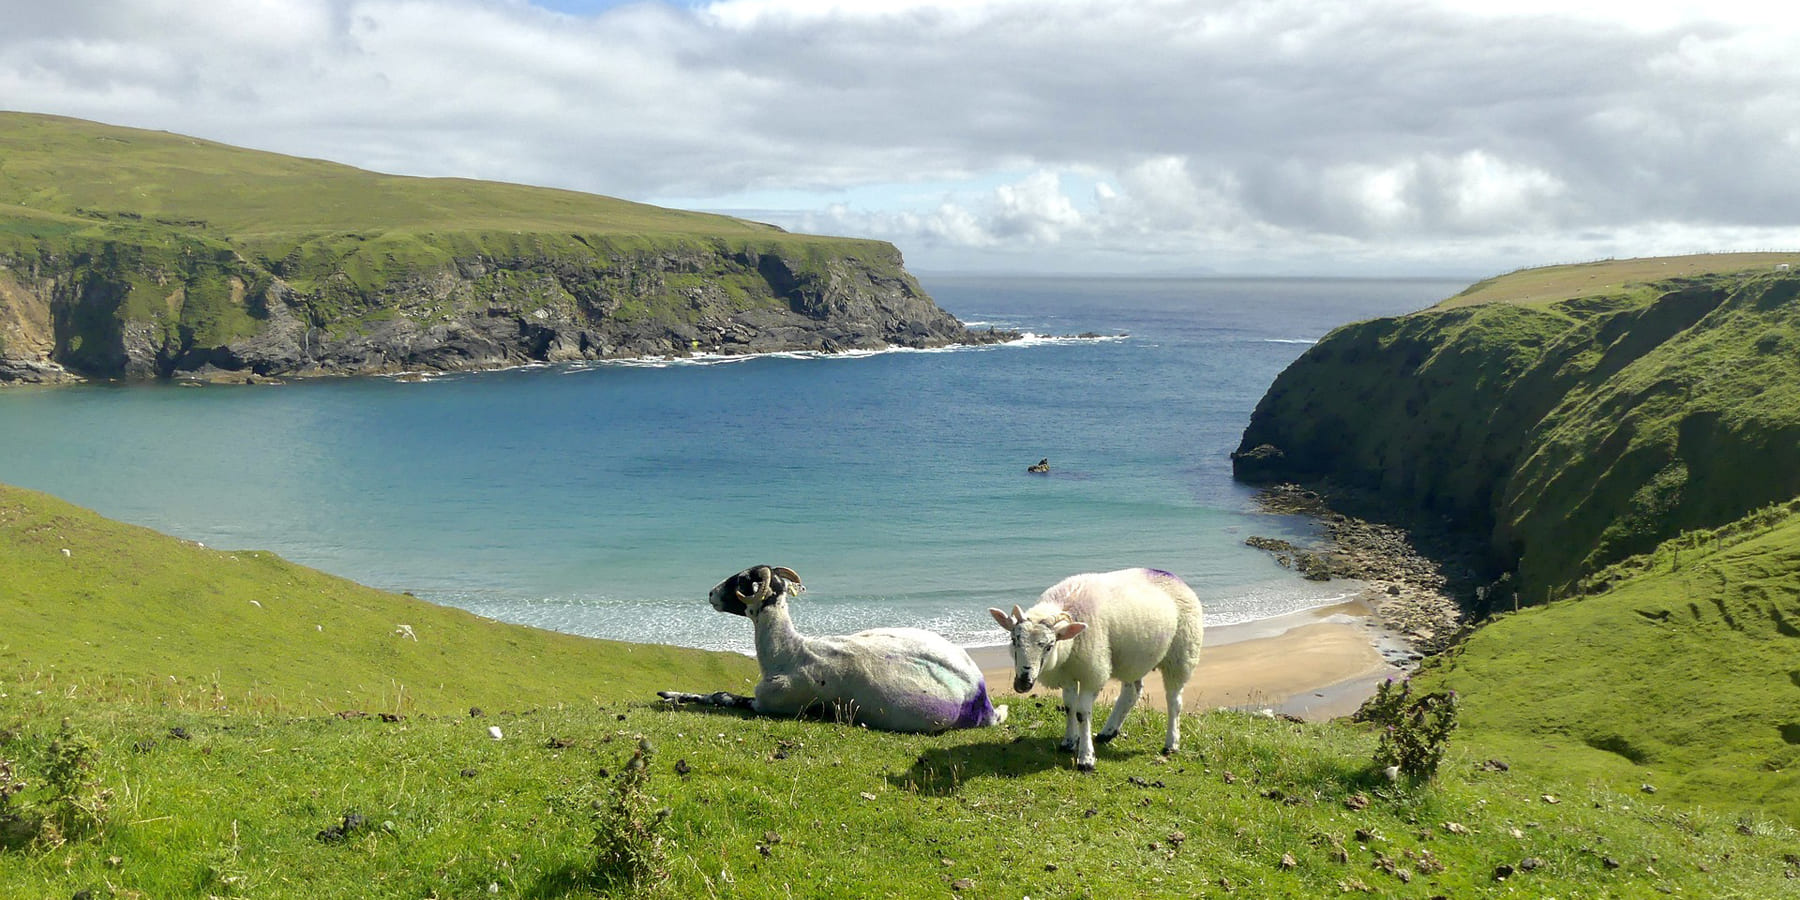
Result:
x=725 y=699
x=1190 y=626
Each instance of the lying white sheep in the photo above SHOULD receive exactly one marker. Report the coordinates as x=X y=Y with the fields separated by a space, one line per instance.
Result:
x=1089 y=629
x=895 y=679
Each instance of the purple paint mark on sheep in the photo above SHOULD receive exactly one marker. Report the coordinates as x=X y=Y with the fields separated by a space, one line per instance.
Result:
x=975 y=712
x=1158 y=573
x=978 y=710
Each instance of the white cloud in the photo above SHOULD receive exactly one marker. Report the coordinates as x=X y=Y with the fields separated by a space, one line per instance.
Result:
x=1080 y=132
x=1035 y=209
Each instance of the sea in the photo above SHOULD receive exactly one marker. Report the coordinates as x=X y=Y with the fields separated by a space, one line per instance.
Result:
x=606 y=499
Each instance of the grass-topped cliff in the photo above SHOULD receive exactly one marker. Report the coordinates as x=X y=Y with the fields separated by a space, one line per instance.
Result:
x=1574 y=418
x=238 y=777
x=138 y=253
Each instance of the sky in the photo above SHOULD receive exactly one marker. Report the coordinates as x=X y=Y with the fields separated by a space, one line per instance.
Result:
x=1153 y=137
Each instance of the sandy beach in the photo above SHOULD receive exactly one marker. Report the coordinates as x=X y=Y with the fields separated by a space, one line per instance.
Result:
x=1316 y=664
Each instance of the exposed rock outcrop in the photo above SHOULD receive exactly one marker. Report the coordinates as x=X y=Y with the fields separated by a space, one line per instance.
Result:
x=106 y=313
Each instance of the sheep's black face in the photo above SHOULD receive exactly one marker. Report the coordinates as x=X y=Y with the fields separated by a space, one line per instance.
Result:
x=752 y=589
x=728 y=595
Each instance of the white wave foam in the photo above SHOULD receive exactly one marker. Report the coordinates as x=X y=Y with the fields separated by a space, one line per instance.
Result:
x=1288 y=341
x=1030 y=339
x=1027 y=339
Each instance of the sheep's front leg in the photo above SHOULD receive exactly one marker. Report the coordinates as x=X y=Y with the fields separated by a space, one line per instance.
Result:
x=1083 y=714
x=1128 y=697
x=725 y=699
x=1071 y=695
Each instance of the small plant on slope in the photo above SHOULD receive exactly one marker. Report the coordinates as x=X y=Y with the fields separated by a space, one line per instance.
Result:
x=1415 y=731
x=629 y=830
x=77 y=802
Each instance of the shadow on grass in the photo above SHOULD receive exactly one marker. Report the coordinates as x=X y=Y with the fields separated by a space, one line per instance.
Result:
x=567 y=881
x=18 y=831
x=942 y=772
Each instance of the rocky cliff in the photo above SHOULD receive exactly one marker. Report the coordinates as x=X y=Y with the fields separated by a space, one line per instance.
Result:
x=109 y=309
x=1568 y=434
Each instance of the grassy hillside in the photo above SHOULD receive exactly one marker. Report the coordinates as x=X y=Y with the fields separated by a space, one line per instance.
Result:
x=89 y=172
x=93 y=606
x=132 y=253
x=253 y=788
x=1548 y=284
x=65 y=180
x=1681 y=670
x=1572 y=434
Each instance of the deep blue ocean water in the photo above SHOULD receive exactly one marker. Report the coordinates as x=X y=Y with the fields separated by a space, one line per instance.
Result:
x=607 y=499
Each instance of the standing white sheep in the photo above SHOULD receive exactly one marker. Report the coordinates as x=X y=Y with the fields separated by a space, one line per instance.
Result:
x=895 y=679
x=1089 y=629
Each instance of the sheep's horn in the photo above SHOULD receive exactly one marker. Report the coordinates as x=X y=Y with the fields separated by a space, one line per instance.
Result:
x=788 y=575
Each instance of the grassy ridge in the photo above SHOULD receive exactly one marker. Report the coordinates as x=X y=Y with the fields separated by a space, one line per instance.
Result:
x=1549 y=284
x=96 y=605
x=68 y=183
x=102 y=173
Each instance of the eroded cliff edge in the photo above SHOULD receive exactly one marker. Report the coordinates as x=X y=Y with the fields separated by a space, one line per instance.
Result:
x=1564 y=435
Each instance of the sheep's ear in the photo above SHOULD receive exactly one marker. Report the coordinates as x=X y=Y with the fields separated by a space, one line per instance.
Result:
x=780 y=585
x=1068 y=630
x=1000 y=616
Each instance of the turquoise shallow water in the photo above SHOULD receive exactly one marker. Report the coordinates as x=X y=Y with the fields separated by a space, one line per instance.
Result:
x=607 y=499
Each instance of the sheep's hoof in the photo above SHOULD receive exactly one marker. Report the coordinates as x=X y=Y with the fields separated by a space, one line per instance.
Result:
x=1170 y=751
x=1105 y=737
x=1065 y=745
x=1084 y=767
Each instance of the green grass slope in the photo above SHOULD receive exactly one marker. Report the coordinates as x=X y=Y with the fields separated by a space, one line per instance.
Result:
x=779 y=808
x=1548 y=284
x=1573 y=433
x=231 y=784
x=89 y=605
x=161 y=199
x=1681 y=670
x=92 y=172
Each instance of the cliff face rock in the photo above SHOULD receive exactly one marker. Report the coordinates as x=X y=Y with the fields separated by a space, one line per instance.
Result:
x=1569 y=434
x=27 y=338
x=174 y=309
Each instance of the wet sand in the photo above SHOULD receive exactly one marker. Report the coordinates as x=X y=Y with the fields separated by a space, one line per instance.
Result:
x=1316 y=664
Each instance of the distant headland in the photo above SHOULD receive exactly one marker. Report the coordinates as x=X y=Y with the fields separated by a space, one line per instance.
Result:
x=130 y=254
